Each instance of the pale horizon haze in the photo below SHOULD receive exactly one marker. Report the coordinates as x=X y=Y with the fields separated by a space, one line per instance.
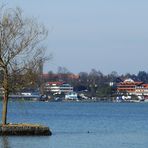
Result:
x=107 y=35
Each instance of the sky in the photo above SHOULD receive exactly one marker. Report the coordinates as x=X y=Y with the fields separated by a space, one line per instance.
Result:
x=106 y=35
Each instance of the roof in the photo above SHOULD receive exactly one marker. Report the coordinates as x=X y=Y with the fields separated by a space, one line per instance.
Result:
x=56 y=83
x=130 y=82
x=145 y=85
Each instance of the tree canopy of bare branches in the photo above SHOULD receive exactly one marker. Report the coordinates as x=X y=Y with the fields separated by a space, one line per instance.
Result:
x=21 y=46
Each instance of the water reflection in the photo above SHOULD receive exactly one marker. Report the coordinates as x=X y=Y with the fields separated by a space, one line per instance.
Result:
x=5 y=142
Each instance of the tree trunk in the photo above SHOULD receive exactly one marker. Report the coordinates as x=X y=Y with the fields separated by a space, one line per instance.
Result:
x=5 y=99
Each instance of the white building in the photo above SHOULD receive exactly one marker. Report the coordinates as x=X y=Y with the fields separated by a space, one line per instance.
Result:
x=58 y=87
x=71 y=96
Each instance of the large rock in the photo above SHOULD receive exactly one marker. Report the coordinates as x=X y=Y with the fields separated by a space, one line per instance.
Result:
x=24 y=129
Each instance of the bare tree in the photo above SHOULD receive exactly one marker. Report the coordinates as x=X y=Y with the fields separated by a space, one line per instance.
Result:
x=20 y=47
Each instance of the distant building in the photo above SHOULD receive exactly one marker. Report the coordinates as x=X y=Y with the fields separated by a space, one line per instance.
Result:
x=71 y=96
x=26 y=93
x=130 y=87
x=66 y=88
x=58 y=87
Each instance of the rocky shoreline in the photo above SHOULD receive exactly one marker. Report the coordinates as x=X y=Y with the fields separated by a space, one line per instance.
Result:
x=24 y=129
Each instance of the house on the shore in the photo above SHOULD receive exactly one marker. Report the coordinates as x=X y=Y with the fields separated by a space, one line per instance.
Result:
x=58 y=87
x=71 y=96
x=130 y=87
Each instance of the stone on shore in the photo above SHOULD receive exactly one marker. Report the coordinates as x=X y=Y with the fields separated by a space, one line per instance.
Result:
x=24 y=129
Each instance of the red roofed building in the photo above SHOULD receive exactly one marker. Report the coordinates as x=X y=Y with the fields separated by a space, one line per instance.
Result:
x=57 y=83
x=130 y=87
x=142 y=90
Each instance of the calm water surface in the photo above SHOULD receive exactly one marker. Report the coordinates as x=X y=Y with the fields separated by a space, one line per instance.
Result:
x=81 y=125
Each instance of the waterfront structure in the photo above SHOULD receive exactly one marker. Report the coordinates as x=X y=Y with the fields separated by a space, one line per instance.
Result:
x=58 y=87
x=53 y=87
x=71 y=96
x=131 y=87
x=26 y=93
x=66 y=88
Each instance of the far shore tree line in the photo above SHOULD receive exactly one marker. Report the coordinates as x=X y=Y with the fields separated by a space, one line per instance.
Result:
x=95 y=83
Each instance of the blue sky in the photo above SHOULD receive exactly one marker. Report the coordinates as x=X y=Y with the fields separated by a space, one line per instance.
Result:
x=108 y=35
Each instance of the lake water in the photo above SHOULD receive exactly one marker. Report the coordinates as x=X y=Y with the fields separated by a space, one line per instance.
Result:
x=81 y=125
